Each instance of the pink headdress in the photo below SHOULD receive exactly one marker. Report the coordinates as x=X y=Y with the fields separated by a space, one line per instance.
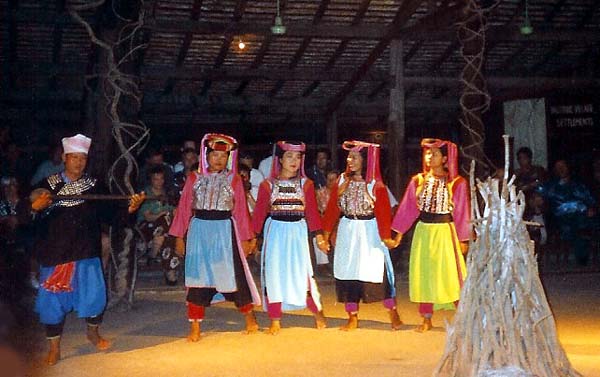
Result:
x=76 y=144
x=373 y=152
x=218 y=142
x=452 y=160
x=284 y=146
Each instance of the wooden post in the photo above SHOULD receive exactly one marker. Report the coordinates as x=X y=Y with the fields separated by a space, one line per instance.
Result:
x=332 y=140
x=396 y=130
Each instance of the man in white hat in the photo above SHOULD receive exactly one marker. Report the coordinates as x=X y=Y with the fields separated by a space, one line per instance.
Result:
x=68 y=247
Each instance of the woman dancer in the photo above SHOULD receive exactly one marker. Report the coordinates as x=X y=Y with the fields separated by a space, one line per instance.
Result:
x=362 y=266
x=212 y=211
x=439 y=199
x=287 y=208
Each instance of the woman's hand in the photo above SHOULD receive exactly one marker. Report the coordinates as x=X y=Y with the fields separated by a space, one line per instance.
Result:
x=322 y=244
x=249 y=246
x=179 y=246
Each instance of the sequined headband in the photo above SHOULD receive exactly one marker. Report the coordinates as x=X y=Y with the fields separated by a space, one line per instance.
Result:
x=357 y=145
x=218 y=143
x=289 y=146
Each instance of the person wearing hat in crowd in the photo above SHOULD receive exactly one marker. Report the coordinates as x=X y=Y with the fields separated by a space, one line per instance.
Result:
x=213 y=213
x=438 y=199
x=362 y=266
x=285 y=213
x=68 y=247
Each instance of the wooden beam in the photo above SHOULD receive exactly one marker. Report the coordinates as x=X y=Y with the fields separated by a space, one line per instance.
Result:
x=402 y=16
x=412 y=51
x=360 y=13
x=495 y=82
x=452 y=47
x=320 y=11
x=434 y=30
x=185 y=45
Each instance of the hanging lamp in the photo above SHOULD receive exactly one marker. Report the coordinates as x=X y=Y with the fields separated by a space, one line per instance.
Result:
x=278 y=28
x=526 y=28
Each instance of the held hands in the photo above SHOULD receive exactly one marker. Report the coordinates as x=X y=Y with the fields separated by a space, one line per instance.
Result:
x=464 y=247
x=40 y=199
x=393 y=243
x=135 y=201
x=322 y=243
x=179 y=246
x=249 y=246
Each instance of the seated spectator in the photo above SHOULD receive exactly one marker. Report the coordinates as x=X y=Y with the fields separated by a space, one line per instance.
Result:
x=155 y=157
x=572 y=208
x=181 y=165
x=14 y=213
x=52 y=165
x=14 y=237
x=189 y=163
x=256 y=177
x=15 y=163
x=528 y=177
x=154 y=220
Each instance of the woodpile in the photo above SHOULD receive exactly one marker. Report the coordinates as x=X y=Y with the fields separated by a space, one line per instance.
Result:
x=503 y=325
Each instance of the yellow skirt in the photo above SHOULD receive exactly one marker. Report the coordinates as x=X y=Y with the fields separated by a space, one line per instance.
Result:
x=437 y=267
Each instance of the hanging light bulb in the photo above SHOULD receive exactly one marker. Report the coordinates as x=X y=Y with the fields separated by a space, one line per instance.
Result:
x=526 y=28
x=278 y=28
x=241 y=44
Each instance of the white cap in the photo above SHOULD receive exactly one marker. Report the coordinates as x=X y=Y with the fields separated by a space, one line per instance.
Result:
x=76 y=144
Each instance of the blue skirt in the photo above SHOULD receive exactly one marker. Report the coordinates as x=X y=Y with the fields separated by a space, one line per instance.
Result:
x=287 y=273
x=88 y=297
x=209 y=255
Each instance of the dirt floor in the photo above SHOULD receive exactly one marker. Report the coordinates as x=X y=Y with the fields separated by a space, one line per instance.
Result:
x=149 y=340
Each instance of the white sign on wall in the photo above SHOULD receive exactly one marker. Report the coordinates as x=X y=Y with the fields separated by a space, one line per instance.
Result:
x=525 y=121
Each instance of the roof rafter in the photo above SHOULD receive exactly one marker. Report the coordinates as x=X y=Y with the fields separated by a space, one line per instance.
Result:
x=402 y=16
x=185 y=45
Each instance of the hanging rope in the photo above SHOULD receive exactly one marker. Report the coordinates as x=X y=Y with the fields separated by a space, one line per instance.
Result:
x=475 y=99
x=131 y=138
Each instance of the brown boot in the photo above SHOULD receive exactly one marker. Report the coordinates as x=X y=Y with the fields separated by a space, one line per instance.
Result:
x=320 y=321
x=395 y=319
x=94 y=337
x=54 y=351
x=425 y=326
x=352 y=322
x=194 y=334
x=251 y=324
x=274 y=328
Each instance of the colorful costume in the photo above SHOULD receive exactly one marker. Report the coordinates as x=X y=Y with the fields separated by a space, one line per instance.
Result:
x=441 y=206
x=362 y=265
x=212 y=211
x=288 y=210
x=68 y=248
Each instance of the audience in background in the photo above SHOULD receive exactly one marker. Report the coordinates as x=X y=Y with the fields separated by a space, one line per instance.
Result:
x=571 y=210
x=54 y=164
